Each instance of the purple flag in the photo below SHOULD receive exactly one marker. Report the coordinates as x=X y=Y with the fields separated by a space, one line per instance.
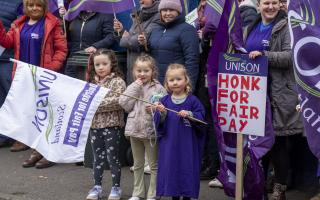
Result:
x=53 y=6
x=212 y=12
x=304 y=22
x=228 y=38
x=103 y=6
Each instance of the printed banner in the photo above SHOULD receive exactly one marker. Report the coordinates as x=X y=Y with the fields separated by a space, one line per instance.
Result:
x=241 y=81
x=304 y=23
x=102 y=6
x=50 y=112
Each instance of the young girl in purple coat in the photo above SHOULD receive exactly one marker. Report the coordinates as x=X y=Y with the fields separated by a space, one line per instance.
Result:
x=180 y=139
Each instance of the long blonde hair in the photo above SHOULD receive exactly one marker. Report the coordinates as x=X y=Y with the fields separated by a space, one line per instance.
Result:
x=175 y=66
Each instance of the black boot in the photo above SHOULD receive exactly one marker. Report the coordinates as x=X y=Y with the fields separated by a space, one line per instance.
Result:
x=208 y=174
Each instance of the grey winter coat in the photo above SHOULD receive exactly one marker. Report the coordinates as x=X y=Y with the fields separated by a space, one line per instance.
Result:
x=283 y=95
x=148 y=18
x=139 y=122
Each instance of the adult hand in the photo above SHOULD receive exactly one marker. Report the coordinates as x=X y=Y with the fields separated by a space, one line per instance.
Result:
x=142 y=39
x=117 y=25
x=62 y=11
x=183 y=113
x=125 y=34
x=200 y=34
x=254 y=54
x=90 y=49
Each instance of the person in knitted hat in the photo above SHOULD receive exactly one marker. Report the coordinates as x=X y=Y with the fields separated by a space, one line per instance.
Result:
x=173 y=41
x=171 y=4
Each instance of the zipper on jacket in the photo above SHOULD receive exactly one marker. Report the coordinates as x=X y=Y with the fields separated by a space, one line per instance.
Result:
x=81 y=33
x=164 y=31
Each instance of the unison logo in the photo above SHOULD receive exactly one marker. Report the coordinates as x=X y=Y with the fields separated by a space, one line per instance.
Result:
x=304 y=43
x=44 y=110
x=237 y=64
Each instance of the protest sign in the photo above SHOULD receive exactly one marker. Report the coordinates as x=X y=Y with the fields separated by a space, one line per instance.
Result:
x=192 y=18
x=241 y=94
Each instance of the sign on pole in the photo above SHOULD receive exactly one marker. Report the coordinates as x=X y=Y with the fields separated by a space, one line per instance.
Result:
x=241 y=101
x=241 y=94
x=192 y=18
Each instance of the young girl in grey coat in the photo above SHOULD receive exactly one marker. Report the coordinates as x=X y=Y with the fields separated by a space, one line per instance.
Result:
x=140 y=128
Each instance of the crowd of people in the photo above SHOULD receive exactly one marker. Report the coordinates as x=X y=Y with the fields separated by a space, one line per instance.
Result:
x=166 y=66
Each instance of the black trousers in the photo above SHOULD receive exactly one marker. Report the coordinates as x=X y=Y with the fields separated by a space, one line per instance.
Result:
x=105 y=147
x=282 y=155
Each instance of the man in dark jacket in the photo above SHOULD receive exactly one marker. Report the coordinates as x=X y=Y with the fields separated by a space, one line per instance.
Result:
x=8 y=13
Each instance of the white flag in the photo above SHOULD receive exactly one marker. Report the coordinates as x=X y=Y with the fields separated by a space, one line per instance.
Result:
x=50 y=112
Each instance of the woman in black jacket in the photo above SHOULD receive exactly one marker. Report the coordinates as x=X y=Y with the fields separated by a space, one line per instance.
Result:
x=86 y=33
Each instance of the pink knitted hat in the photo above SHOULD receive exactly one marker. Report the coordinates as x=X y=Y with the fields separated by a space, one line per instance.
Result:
x=171 y=4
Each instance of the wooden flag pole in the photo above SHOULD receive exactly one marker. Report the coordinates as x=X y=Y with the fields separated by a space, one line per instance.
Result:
x=64 y=26
x=168 y=109
x=239 y=167
x=140 y=28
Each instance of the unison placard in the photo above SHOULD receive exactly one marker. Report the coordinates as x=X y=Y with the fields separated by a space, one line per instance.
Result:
x=241 y=94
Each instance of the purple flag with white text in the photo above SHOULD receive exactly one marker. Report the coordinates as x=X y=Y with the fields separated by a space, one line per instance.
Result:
x=103 y=6
x=304 y=23
x=228 y=38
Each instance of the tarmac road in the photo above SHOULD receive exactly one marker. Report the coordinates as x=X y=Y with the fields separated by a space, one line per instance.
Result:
x=71 y=182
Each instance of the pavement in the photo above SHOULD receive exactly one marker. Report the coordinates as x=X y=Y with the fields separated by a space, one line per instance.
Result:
x=71 y=182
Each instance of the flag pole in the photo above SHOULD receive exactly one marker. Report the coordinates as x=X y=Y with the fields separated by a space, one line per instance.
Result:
x=140 y=28
x=168 y=109
x=114 y=16
x=61 y=4
x=147 y=102
x=64 y=26
x=239 y=167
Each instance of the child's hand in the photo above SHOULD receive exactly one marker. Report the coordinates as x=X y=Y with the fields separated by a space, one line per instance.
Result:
x=139 y=81
x=149 y=108
x=160 y=107
x=184 y=113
